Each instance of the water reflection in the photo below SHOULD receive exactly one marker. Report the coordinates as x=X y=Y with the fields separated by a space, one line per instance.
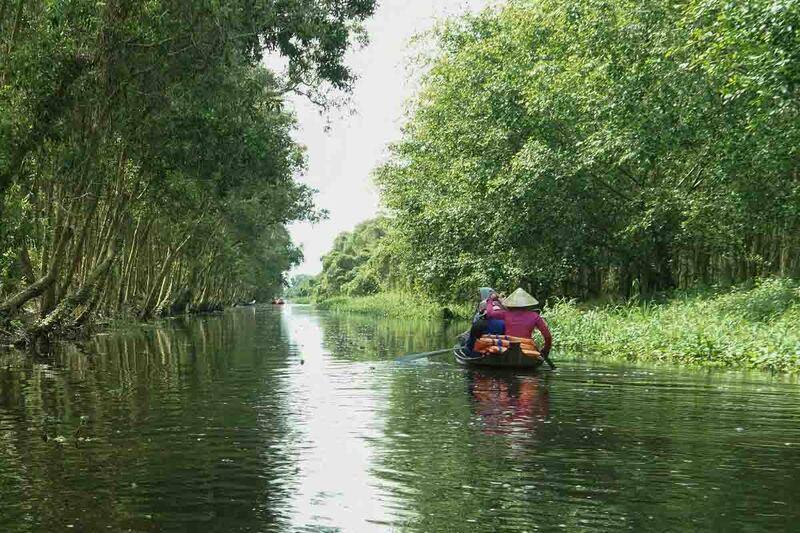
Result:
x=508 y=403
x=336 y=409
x=289 y=419
x=164 y=425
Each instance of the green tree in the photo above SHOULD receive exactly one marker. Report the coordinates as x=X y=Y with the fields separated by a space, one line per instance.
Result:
x=589 y=148
x=146 y=159
x=361 y=262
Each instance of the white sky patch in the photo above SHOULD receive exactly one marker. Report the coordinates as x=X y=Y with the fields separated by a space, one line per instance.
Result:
x=342 y=158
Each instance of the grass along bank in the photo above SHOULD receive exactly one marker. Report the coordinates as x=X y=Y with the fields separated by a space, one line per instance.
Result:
x=396 y=304
x=745 y=328
x=755 y=327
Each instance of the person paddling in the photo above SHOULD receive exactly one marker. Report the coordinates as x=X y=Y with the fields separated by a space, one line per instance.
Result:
x=481 y=325
x=517 y=313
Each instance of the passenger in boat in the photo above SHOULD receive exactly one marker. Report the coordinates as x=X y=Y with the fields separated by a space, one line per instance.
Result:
x=480 y=311
x=481 y=325
x=519 y=317
x=485 y=326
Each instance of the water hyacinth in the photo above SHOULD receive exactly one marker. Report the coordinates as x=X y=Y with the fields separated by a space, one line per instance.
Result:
x=741 y=328
x=397 y=304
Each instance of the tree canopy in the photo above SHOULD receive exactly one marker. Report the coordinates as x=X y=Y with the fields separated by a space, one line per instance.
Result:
x=602 y=147
x=146 y=158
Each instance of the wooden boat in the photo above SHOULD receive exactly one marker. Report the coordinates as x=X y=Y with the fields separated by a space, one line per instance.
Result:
x=511 y=358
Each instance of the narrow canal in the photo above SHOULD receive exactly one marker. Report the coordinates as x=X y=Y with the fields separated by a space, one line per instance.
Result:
x=290 y=419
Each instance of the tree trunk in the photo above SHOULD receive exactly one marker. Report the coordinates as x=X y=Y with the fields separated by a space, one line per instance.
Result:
x=151 y=300
x=79 y=297
x=12 y=305
x=15 y=28
x=25 y=264
x=77 y=254
x=62 y=230
x=3 y=5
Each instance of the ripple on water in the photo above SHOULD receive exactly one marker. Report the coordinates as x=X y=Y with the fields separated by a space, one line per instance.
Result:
x=215 y=424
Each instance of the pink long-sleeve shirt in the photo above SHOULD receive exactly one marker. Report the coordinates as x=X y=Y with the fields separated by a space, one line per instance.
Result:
x=519 y=322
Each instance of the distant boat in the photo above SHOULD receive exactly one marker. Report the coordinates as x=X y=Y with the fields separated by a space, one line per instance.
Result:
x=277 y=301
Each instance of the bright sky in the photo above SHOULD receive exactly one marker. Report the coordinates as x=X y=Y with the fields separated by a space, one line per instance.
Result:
x=341 y=159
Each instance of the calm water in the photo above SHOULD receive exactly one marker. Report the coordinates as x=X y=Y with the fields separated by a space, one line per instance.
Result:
x=288 y=419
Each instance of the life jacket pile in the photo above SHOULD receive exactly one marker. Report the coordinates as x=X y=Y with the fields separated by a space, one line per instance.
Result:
x=499 y=344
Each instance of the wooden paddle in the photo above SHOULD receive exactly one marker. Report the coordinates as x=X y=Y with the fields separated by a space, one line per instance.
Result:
x=413 y=356
x=547 y=360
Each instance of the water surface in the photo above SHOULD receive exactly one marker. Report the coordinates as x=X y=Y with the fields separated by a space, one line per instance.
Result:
x=289 y=419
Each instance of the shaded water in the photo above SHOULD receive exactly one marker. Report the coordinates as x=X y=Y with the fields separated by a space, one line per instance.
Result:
x=287 y=419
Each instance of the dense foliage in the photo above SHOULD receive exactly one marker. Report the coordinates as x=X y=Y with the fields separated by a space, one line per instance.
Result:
x=752 y=327
x=146 y=163
x=601 y=147
x=360 y=262
x=300 y=287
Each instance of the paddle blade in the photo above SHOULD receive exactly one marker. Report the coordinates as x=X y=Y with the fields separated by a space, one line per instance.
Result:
x=414 y=356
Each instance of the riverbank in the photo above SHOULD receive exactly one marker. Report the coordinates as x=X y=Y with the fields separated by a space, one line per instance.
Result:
x=396 y=304
x=745 y=328
x=21 y=333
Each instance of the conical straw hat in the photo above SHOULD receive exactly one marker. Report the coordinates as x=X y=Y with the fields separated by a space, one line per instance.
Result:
x=519 y=298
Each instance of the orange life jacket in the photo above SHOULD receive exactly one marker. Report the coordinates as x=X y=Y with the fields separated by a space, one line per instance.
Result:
x=498 y=344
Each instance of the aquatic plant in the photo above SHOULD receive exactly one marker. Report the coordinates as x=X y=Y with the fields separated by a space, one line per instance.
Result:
x=396 y=304
x=741 y=328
